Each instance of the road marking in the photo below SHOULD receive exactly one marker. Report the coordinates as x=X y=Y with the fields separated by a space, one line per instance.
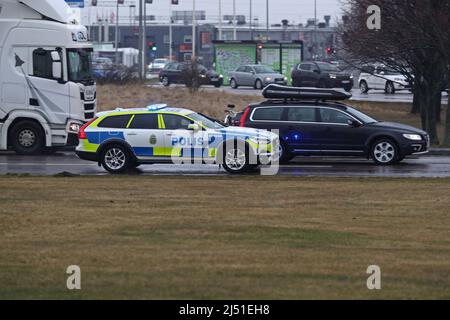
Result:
x=46 y=164
x=306 y=166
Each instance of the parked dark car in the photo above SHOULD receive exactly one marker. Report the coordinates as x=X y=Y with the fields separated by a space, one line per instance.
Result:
x=175 y=73
x=321 y=75
x=312 y=122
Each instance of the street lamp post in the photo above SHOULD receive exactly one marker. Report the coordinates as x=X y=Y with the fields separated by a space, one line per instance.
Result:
x=267 y=19
x=220 y=19
x=117 y=32
x=141 y=64
x=170 y=32
x=194 y=22
x=234 y=21
x=251 y=20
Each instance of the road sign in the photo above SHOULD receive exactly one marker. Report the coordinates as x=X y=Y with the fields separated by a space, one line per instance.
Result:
x=75 y=3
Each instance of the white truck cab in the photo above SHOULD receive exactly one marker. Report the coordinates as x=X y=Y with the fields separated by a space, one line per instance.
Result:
x=46 y=86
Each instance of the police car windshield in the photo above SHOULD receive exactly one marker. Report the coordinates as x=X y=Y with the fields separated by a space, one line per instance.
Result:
x=206 y=122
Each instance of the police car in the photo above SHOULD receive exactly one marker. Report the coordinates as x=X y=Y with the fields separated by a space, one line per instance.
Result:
x=126 y=138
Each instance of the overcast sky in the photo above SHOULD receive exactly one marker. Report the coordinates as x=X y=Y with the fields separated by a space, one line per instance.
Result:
x=293 y=10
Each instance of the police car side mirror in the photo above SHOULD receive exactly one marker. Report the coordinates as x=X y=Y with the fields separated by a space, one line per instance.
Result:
x=194 y=127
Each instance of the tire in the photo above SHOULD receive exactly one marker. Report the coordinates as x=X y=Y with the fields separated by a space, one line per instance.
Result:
x=231 y=163
x=258 y=84
x=390 y=88
x=27 y=138
x=348 y=89
x=217 y=85
x=116 y=159
x=165 y=81
x=363 y=87
x=233 y=84
x=384 y=152
x=285 y=155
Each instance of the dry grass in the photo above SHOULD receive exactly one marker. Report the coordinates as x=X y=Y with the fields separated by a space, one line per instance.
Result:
x=214 y=102
x=222 y=238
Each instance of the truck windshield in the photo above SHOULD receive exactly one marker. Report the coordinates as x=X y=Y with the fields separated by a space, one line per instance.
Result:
x=80 y=65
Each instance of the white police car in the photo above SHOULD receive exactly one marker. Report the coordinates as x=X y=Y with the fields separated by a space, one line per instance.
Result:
x=125 y=138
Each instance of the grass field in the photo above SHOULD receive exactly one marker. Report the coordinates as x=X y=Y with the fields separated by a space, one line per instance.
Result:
x=224 y=237
x=214 y=103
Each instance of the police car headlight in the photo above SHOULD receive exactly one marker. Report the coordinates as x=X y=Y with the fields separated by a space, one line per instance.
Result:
x=414 y=137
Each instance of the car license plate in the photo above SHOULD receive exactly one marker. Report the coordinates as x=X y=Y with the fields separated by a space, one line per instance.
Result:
x=346 y=81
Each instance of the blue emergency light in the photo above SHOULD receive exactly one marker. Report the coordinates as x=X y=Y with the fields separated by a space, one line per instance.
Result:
x=157 y=107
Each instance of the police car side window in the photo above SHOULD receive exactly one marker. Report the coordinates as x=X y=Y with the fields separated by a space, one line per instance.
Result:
x=115 y=122
x=144 y=121
x=174 y=122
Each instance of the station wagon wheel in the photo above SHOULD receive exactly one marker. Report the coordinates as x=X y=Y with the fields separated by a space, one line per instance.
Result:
x=384 y=152
x=116 y=159
x=233 y=84
x=235 y=160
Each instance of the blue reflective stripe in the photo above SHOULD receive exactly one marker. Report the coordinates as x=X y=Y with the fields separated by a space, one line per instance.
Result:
x=100 y=137
x=143 y=151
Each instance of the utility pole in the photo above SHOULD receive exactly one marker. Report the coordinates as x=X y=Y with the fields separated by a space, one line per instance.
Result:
x=315 y=30
x=234 y=21
x=251 y=20
x=117 y=32
x=170 y=32
x=141 y=37
x=220 y=19
x=267 y=19
x=144 y=41
x=194 y=22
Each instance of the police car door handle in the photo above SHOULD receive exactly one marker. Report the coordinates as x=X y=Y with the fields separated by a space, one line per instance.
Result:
x=169 y=134
x=131 y=134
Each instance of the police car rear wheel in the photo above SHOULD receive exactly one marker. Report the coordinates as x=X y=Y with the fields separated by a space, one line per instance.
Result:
x=116 y=159
x=236 y=161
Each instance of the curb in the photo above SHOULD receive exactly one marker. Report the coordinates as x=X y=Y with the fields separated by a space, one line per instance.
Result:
x=442 y=152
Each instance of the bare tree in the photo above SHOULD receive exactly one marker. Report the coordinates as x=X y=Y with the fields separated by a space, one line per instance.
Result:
x=413 y=40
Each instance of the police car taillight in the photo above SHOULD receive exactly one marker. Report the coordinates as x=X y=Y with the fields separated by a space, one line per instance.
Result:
x=244 y=117
x=82 y=133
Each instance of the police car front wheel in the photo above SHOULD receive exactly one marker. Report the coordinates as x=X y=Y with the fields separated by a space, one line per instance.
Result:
x=116 y=159
x=236 y=161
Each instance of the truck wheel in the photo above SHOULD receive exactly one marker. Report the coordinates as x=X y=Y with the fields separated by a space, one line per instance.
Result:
x=27 y=138
x=116 y=159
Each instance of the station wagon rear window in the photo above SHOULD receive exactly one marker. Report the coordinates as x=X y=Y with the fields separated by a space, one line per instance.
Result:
x=268 y=114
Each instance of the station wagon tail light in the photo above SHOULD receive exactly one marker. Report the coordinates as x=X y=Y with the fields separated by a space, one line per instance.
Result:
x=82 y=134
x=244 y=117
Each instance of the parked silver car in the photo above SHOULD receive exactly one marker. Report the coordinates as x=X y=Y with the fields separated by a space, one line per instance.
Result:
x=257 y=76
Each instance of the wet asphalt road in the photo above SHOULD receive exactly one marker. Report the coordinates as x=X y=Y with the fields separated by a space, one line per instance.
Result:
x=372 y=96
x=425 y=166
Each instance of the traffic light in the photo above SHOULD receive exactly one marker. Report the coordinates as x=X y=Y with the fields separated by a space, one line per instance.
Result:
x=94 y=3
x=330 y=51
x=260 y=46
x=152 y=46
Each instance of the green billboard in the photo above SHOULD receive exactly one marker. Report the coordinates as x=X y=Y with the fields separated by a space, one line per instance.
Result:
x=230 y=55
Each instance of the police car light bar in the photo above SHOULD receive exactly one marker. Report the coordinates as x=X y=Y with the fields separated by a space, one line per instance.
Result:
x=274 y=91
x=157 y=107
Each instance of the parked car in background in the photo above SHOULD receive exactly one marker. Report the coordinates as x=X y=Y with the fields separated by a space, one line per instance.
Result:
x=257 y=76
x=321 y=75
x=101 y=67
x=175 y=73
x=315 y=122
x=379 y=77
x=157 y=65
